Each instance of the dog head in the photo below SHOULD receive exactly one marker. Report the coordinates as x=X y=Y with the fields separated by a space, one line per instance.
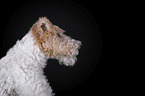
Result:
x=53 y=42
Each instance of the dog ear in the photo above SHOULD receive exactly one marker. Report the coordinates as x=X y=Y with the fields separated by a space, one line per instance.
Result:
x=36 y=31
x=44 y=28
x=41 y=32
x=45 y=24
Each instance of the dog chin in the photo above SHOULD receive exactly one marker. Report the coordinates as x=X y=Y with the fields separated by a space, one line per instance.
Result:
x=68 y=61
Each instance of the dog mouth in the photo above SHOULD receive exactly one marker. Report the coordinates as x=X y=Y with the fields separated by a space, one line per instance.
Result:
x=68 y=61
x=71 y=58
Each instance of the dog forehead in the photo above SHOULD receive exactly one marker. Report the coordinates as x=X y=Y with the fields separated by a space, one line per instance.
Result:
x=57 y=29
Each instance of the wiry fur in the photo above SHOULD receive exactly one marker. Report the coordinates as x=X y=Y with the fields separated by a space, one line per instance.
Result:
x=21 y=70
x=52 y=41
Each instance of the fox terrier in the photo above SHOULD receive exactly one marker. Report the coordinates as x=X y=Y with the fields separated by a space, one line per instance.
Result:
x=21 y=70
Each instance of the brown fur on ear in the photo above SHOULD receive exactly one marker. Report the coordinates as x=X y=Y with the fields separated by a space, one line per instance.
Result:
x=42 y=30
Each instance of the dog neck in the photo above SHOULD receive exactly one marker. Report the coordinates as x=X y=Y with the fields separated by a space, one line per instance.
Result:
x=27 y=51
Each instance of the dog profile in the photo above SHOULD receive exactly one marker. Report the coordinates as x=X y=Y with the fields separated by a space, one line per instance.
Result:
x=21 y=70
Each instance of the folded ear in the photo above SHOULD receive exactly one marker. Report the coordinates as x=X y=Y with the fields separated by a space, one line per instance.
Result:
x=43 y=27
x=42 y=31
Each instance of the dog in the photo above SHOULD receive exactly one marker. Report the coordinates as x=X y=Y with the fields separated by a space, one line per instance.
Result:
x=21 y=70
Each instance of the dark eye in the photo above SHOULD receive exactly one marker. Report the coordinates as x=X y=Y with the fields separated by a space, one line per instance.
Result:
x=58 y=35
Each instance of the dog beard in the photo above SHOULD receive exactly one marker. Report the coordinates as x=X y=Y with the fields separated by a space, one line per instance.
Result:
x=68 y=61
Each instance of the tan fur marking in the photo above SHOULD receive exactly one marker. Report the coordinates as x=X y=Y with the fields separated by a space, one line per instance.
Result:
x=41 y=33
x=51 y=40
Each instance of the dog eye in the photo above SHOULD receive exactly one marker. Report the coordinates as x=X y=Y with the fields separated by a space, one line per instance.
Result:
x=58 y=35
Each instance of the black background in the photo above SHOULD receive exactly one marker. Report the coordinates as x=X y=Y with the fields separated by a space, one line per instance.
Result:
x=84 y=21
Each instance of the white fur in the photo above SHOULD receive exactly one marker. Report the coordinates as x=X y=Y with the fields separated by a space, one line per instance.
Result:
x=21 y=70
